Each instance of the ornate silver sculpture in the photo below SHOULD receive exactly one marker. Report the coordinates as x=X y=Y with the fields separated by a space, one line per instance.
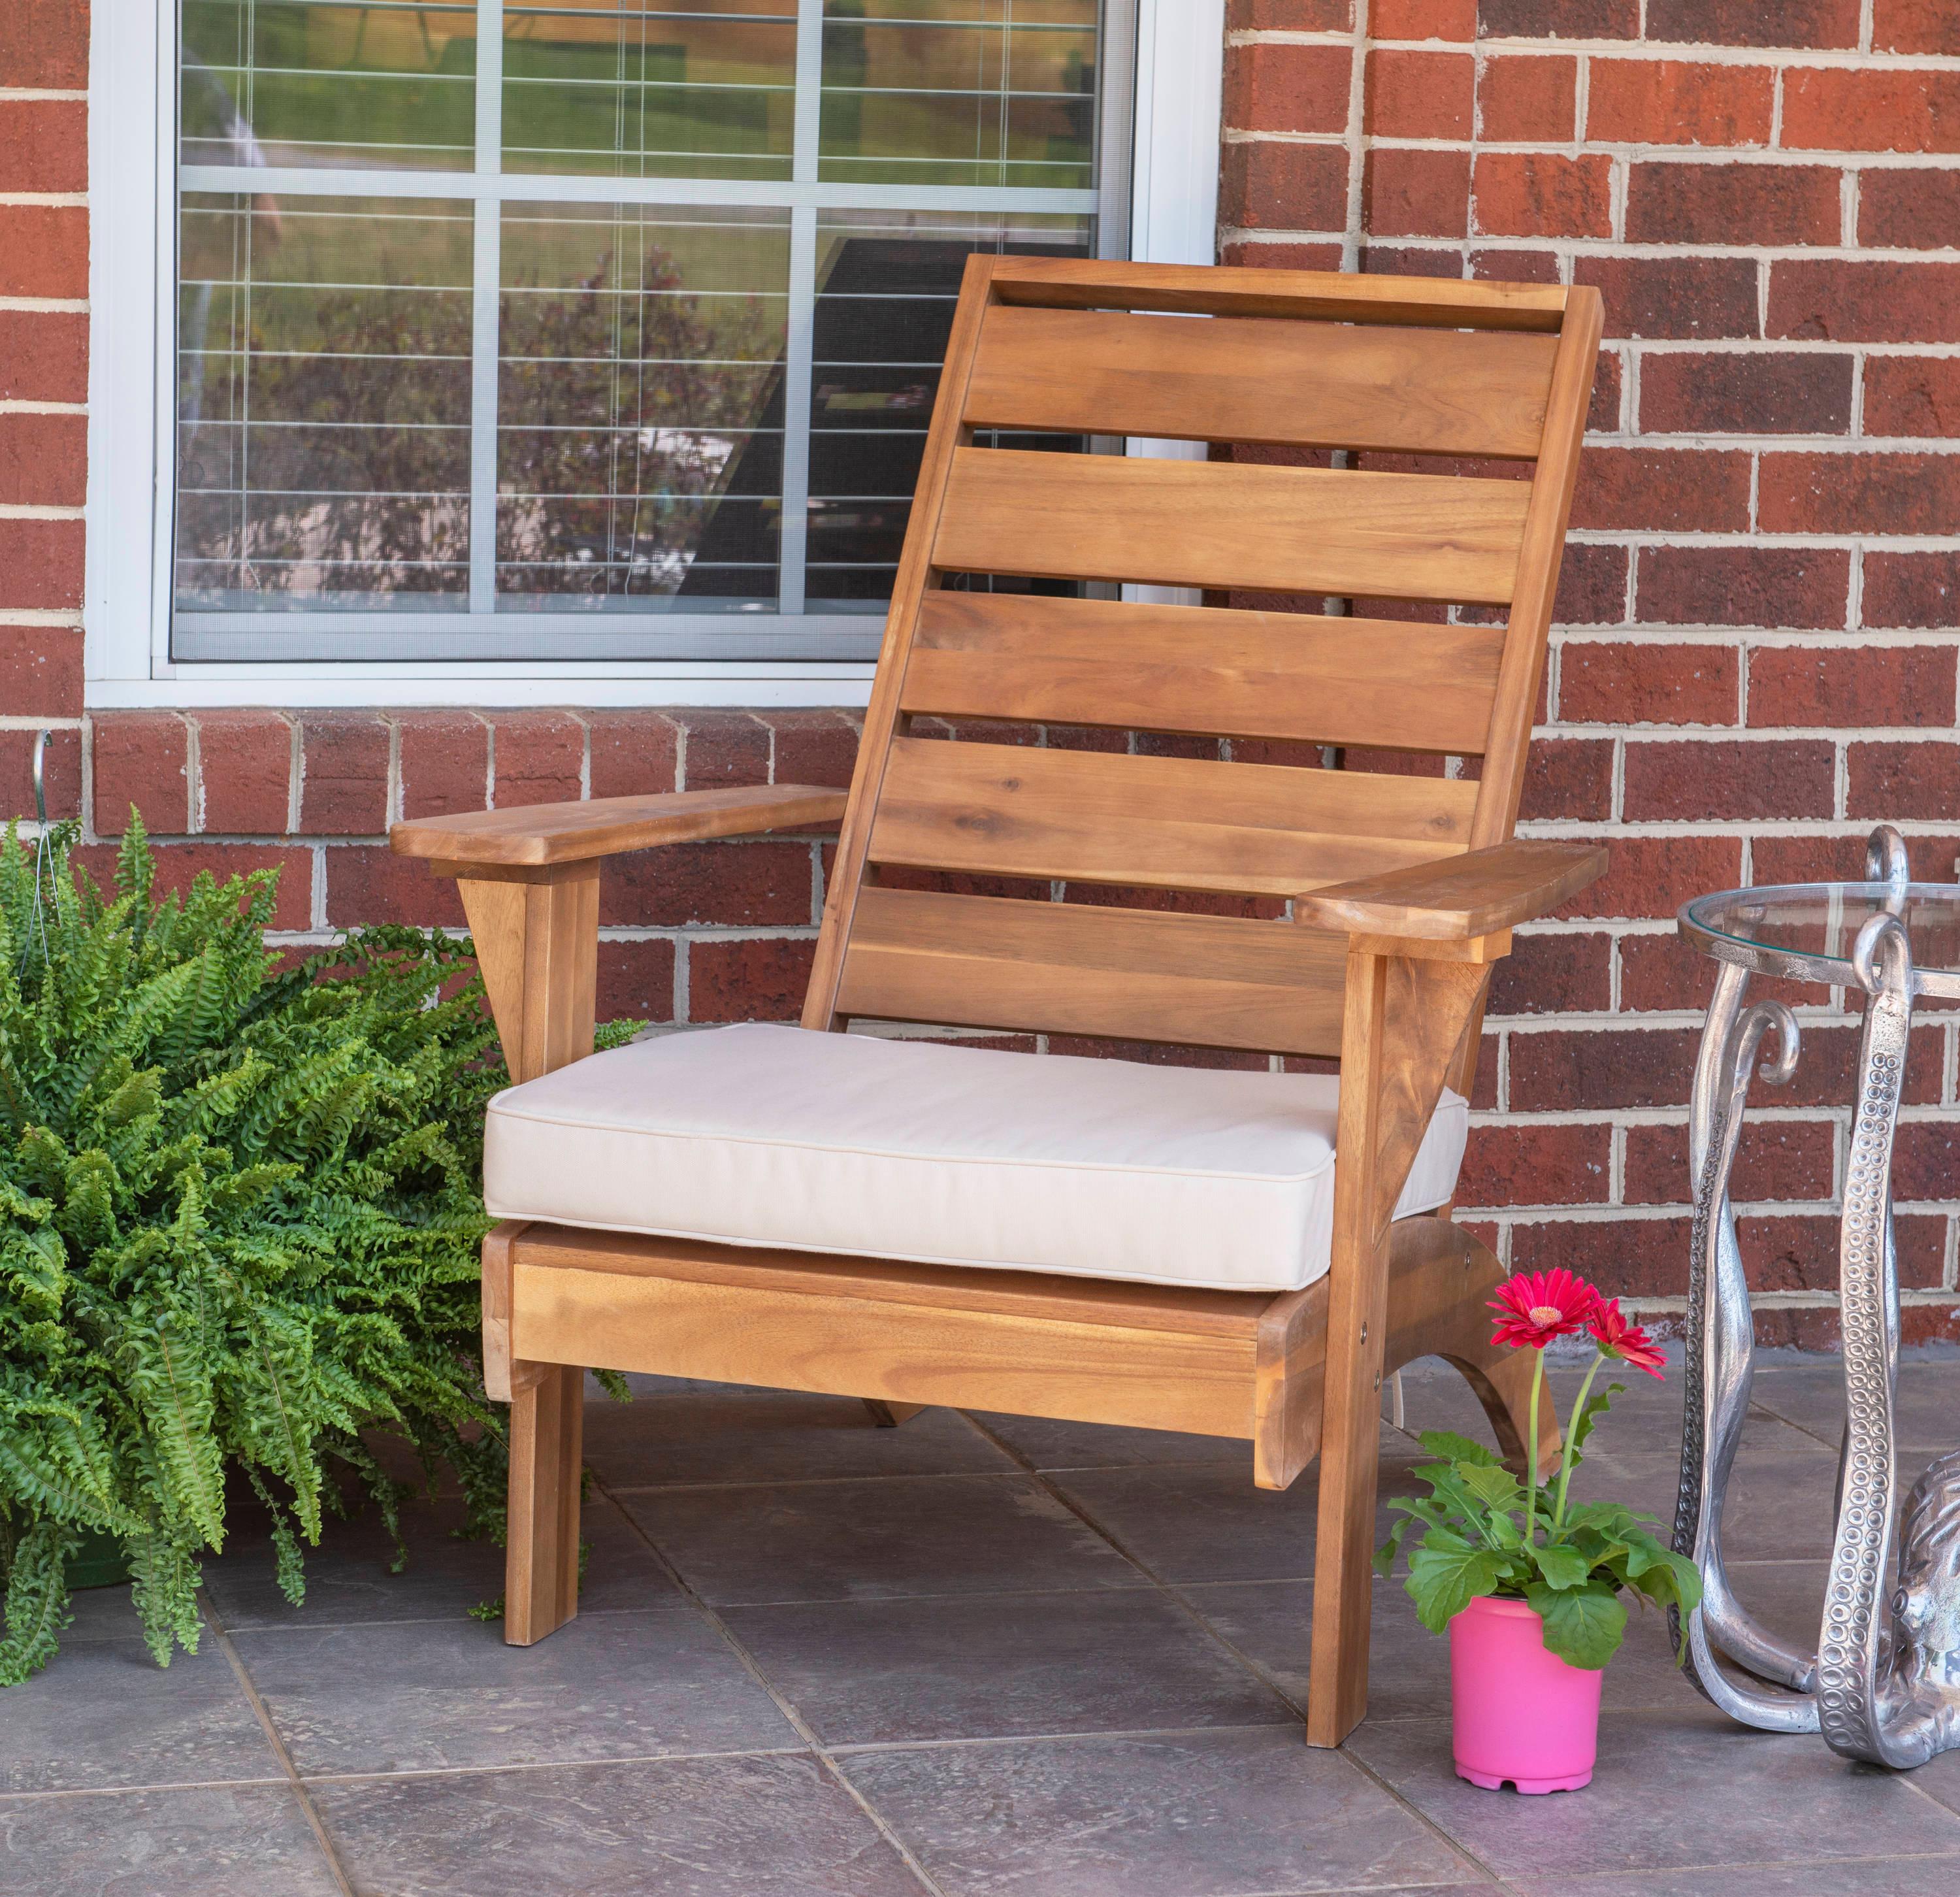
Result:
x=1884 y=1685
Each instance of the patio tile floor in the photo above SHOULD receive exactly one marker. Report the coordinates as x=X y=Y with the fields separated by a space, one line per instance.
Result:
x=983 y=1657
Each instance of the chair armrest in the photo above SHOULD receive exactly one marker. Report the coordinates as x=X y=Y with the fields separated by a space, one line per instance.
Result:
x=538 y=835
x=1459 y=897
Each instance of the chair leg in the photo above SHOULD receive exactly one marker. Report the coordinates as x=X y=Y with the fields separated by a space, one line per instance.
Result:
x=541 y=1566
x=890 y=1416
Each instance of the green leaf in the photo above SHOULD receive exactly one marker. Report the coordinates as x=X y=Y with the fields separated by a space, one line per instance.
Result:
x=1562 y=1567
x=1583 y=1625
x=1453 y=1448
x=1492 y=1484
x=1446 y=1574
x=1596 y=1406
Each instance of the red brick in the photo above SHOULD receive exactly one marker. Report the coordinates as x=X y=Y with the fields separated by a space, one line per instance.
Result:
x=1870 y=109
x=723 y=747
x=179 y=865
x=1826 y=859
x=445 y=763
x=538 y=757
x=43 y=250
x=245 y=768
x=1417 y=194
x=1915 y=26
x=1879 y=493
x=1558 y=19
x=1275 y=86
x=1412 y=260
x=1289 y=16
x=1539 y=194
x=636 y=981
x=1625 y=1258
x=1727 y=778
x=1926 y=1160
x=1553 y=974
x=1662 y=973
x=141 y=758
x=1678 y=102
x=1653 y=876
x=1777 y=1160
x=813 y=747
x=43 y=356
x=1749 y=394
x=1865 y=302
x=41 y=671
x=367 y=883
x=1526 y=1164
x=1902 y=782
x=61 y=775
x=633 y=753
x=1419 y=95
x=1422 y=19
x=756 y=978
x=44 y=144
x=40 y=565
x=1264 y=254
x=1869 y=685
x=1592 y=585
x=1912 y=395
x=1910 y=590
x=1569 y=779
x=1743 y=586
x=1602 y=683
x=757 y=885
x=1909 y=210
x=1514 y=265
x=44 y=459
x=1699 y=490
x=1602 y=415
x=1670 y=297
x=1800 y=1254
x=1577 y=1070
x=1783 y=204
x=1824 y=1074
x=1753 y=23
x=44 y=44
x=1527 y=100
x=1274 y=184
x=343 y=774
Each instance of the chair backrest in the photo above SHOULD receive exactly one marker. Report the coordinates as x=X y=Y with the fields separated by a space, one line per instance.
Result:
x=1462 y=382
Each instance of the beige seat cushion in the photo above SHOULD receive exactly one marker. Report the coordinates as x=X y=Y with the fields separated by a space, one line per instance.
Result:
x=762 y=1135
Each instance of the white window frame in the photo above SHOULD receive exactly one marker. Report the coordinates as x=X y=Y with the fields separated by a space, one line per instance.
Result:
x=1173 y=188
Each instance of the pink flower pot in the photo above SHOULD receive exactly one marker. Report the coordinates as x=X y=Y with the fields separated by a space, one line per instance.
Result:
x=1519 y=1711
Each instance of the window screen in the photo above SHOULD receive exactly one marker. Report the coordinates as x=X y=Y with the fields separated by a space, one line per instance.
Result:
x=594 y=329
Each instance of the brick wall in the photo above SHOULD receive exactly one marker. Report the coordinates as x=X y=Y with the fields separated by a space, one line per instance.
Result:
x=1754 y=662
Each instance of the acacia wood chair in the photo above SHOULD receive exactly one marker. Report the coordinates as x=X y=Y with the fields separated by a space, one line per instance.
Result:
x=629 y=1243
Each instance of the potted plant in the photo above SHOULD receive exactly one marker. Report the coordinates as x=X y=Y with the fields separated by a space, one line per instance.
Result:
x=1530 y=1584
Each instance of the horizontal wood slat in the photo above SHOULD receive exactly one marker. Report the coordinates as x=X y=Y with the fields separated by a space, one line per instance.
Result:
x=1217 y=670
x=1158 y=822
x=1107 y=517
x=1244 y=379
x=977 y=961
x=1325 y=295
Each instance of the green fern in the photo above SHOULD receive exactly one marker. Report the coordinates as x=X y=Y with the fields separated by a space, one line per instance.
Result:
x=240 y=1216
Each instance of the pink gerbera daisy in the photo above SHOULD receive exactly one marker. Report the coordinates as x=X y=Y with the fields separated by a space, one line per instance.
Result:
x=1628 y=1342
x=1534 y=1309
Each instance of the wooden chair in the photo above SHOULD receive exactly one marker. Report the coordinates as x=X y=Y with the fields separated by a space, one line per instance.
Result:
x=1403 y=888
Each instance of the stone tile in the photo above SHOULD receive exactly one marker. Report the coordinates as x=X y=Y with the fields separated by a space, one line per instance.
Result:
x=1810 y=1396
x=103 y=1712
x=1678 y=1789
x=1051 y=1443
x=348 y=1581
x=1779 y=1501
x=1271 y=1623
x=875 y=1540
x=879 y=1672
x=696 y=1828
x=1856 y=1877
x=714 y=1432
x=1645 y=1416
x=242 y=1841
x=425 y=1695
x=1209 y=1815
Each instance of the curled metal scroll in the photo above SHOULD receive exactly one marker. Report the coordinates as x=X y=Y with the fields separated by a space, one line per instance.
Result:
x=1884 y=1685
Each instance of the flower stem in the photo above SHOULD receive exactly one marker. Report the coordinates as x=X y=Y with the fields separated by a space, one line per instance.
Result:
x=1570 y=1444
x=1531 y=1453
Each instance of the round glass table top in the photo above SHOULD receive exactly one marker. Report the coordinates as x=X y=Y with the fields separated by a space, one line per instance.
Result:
x=1806 y=931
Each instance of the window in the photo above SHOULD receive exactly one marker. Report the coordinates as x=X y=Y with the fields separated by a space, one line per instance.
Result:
x=594 y=329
